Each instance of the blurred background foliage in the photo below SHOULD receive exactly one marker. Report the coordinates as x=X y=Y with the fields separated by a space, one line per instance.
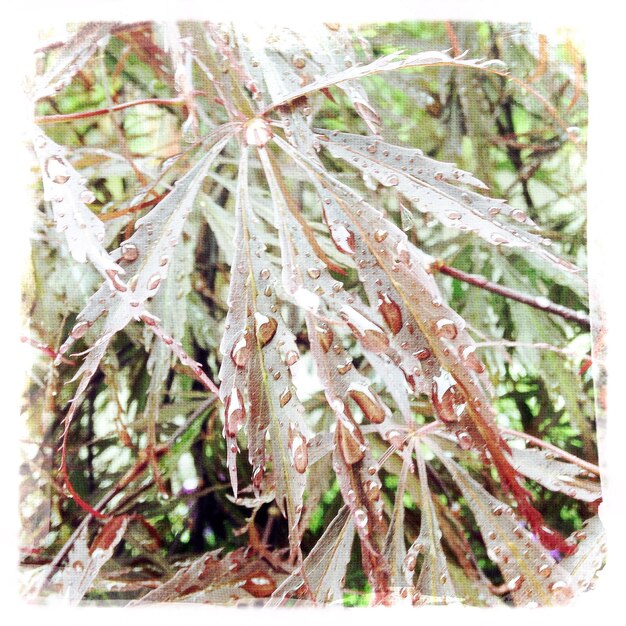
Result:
x=515 y=136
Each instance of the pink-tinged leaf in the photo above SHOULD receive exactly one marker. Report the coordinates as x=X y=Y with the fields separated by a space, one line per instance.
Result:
x=232 y=578
x=556 y=475
x=84 y=563
x=395 y=546
x=433 y=585
x=71 y=59
x=65 y=190
x=531 y=575
x=432 y=347
x=258 y=350
x=590 y=555
x=431 y=186
x=385 y=63
x=322 y=572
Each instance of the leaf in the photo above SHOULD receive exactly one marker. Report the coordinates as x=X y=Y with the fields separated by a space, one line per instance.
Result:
x=432 y=187
x=385 y=63
x=434 y=585
x=64 y=188
x=531 y=575
x=429 y=342
x=84 y=563
x=589 y=558
x=210 y=578
x=556 y=475
x=325 y=566
x=72 y=57
x=256 y=385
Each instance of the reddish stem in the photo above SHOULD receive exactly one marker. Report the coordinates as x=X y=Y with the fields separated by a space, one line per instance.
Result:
x=542 y=304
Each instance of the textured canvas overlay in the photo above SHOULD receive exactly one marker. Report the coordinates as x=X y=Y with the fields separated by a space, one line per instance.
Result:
x=309 y=317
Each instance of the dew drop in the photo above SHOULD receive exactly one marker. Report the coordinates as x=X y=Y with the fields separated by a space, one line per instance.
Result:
x=298 y=61
x=259 y=585
x=130 y=252
x=265 y=328
x=498 y=239
x=380 y=235
x=298 y=450
x=242 y=350
x=446 y=329
x=391 y=312
x=351 y=444
x=515 y=584
x=368 y=334
x=154 y=281
x=79 y=330
x=56 y=170
x=264 y=273
x=518 y=215
x=544 y=570
x=285 y=396
x=454 y=215
x=313 y=272
x=390 y=181
x=368 y=402
x=87 y=196
x=360 y=518
x=235 y=412
x=470 y=359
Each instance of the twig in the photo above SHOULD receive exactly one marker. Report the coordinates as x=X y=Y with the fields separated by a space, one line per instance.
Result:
x=538 y=302
x=68 y=117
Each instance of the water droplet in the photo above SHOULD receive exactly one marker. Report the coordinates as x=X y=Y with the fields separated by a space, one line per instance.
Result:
x=515 y=584
x=454 y=215
x=259 y=585
x=360 y=518
x=242 y=350
x=395 y=438
x=130 y=252
x=498 y=510
x=391 y=181
x=410 y=562
x=368 y=334
x=465 y=440
x=351 y=444
x=285 y=396
x=542 y=302
x=264 y=273
x=235 y=412
x=56 y=170
x=298 y=61
x=439 y=176
x=79 y=330
x=544 y=570
x=345 y=367
x=380 y=235
x=518 y=215
x=446 y=329
x=470 y=359
x=313 y=272
x=423 y=354
x=493 y=211
x=372 y=148
x=87 y=196
x=498 y=239
x=265 y=328
x=368 y=402
x=118 y=284
x=257 y=132
x=342 y=238
x=391 y=312
x=154 y=281
x=298 y=450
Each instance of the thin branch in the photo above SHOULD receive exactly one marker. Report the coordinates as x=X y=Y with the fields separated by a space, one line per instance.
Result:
x=538 y=302
x=68 y=117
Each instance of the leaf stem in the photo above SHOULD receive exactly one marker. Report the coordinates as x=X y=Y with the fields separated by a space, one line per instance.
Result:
x=540 y=303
